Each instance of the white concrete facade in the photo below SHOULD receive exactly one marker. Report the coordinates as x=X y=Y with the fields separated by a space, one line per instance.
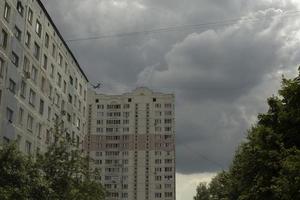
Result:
x=40 y=79
x=131 y=140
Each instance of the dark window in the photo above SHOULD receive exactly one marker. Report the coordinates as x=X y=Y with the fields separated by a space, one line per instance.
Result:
x=9 y=115
x=20 y=8
x=4 y=39
x=36 y=51
x=1 y=67
x=46 y=40
x=15 y=59
x=12 y=86
x=28 y=39
x=17 y=33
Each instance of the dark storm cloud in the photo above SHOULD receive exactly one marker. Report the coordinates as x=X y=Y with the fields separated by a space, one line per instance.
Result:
x=221 y=74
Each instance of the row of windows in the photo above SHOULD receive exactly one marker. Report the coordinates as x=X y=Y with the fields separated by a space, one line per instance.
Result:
x=127 y=129
x=37 y=48
x=127 y=106
x=32 y=100
x=28 y=144
x=124 y=153
x=127 y=114
x=167 y=195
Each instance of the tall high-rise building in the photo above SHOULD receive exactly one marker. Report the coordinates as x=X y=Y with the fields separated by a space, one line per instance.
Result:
x=131 y=140
x=40 y=79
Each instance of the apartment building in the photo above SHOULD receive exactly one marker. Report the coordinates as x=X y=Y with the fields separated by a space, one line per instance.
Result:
x=131 y=140
x=40 y=79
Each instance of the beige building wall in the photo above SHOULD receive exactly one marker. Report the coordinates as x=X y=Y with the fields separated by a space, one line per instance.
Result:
x=131 y=139
x=40 y=79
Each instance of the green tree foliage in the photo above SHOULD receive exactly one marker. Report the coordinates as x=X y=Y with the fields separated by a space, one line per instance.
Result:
x=20 y=177
x=202 y=192
x=267 y=166
x=61 y=173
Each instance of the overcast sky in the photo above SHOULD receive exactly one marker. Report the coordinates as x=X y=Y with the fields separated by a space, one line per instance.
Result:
x=221 y=72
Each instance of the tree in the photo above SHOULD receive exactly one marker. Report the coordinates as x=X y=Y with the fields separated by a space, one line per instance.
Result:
x=267 y=165
x=20 y=177
x=202 y=192
x=66 y=169
x=61 y=173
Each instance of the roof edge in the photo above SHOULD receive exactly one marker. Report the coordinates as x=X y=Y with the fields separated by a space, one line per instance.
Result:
x=62 y=39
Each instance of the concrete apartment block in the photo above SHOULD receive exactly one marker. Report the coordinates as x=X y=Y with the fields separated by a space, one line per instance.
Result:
x=131 y=140
x=40 y=79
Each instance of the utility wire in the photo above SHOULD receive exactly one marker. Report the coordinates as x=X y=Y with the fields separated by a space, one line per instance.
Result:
x=202 y=157
x=178 y=28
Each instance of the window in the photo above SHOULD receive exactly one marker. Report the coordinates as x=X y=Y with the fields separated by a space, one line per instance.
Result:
x=157 y=195
x=4 y=39
x=76 y=83
x=6 y=11
x=21 y=116
x=45 y=63
x=9 y=115
x=69 y=117
x=58 y=79
x=168 y=105
x=34 y=73
x=20 y=8
x=30 y=16
x=60 y=59
x=1 y=67
x=15 y=59
x=38 y=28
x=26 y=65
x=65 y=87
x=17 y=33
x=168 y=121
x=29 y=122
x=12 y=86
x=63 y=105
x=79 y=105
x=53 y=50
x=47 y=137
x=168 y=113
x=43 y=84
x=50 y=91
x=168 y=194
x=36 y=51
x=32 y=97
x=39 y=130
x=71 y=80
x=46 y=40
x=23 y=89
x=66 y=67
x=41 y=110
x=28 y=147
x=49 y=114
x=70 y=98
x=28 y=39
x=57 y=99
x=52 y=71
x=80 y=89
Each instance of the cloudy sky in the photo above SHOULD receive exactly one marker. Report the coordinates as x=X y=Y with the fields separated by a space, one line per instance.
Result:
x=222 y=59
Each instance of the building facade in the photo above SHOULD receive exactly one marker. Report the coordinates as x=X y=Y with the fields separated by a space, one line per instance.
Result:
x=40 y=79
x=131 y=140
